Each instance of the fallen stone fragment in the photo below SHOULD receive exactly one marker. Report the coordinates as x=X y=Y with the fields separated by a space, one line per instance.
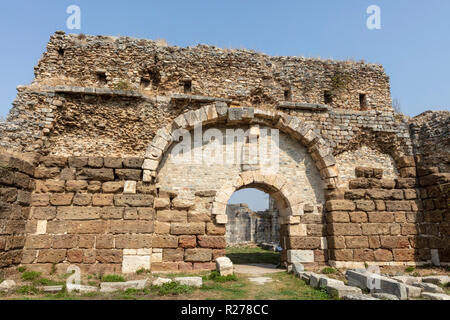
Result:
x=409 y=280
x=429 y=287
x=107 y=287
x=51 y=289
x=437 y=280
x=314 y=280
x=7 y=285
x=376 y=283
x=80 y=288
x=305 y=276
x=385 y=296
x=297 y=268
x=358 y=297
x=260 y=280
x=413 y=292
x=190 y=281
x=324 y=282
x=435 y=296
x=224 y=266
x=160 y=281
x=339 y=291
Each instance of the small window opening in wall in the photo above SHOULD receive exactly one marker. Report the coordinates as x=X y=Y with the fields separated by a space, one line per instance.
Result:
x=145 y=83
x=363 y=101
x=61 y=52
x=101 y=77
x=287 y=95
x=155 y=76
x=187 y=84
x=328 y=97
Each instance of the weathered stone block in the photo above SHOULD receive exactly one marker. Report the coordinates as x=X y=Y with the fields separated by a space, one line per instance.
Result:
x=134 y=200
x=165 y=241
x=78 y=213
x=173 y=254
x=196 y=228
x=198 y=255
x=215 y=230
x=303 y=242
x=171 y=216
x=340 y=205
x=96 y=174
x=212 y=242
x=300 y=256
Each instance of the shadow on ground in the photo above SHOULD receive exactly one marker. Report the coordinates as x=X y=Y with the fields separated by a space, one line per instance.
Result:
x=253 y=256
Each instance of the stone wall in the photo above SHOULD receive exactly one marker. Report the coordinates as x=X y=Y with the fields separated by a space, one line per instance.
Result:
x=246 y=226
x=16 y=185
x=377 y=220
x=244 y=76
x=430 y=132
x=93 y=212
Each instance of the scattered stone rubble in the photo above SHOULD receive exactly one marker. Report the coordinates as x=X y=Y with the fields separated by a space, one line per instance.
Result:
x=224 y=266
x=363 y=285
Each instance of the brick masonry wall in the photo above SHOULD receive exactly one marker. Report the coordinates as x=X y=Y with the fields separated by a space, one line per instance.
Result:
x=434 y=191
x=16 y=185
x=94 y=212
x=430 y=133
x=378 y=219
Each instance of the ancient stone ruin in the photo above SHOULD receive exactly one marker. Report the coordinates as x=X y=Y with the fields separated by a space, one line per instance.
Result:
x=90 y=176
x=245 y=226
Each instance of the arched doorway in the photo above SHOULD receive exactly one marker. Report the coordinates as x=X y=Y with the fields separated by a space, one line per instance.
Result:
x=305 y=169
x=253 y=229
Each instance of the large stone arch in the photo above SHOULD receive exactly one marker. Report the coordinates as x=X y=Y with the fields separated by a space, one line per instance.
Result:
x=302 y=230
x=219 y=112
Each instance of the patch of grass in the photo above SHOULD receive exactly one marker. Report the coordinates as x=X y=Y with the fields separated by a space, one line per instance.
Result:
x=46 y=282
x=92 y=283
x=253 y=255
x=142 y=271
x=216 y=277
x=230 y=291
x=112 y=278
x=30 y=275
x=123 y=85
x=53 y=271
x=22 y=269
x=91 y=294
x=27 y=290
x=416 y=274
x=288 y=287
x=329 y=270
x=173 y=288
x=132 y=294
x=410 y=269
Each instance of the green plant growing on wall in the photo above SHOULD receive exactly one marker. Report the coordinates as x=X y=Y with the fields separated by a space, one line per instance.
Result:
x=123 y=85
x=339 y=80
